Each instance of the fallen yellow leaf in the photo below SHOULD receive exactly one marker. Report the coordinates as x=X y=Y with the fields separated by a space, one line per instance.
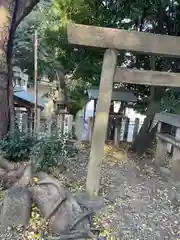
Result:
x=35 y=179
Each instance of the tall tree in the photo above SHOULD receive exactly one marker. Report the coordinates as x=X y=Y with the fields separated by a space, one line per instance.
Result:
x=165 y=22
x=23 y=51
x=12 y=13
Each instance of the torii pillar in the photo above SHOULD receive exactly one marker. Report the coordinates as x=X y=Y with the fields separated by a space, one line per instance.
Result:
x=101 y=122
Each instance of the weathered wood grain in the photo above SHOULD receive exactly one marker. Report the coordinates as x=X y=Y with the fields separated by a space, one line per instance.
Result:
x=101 y=122
x=132 y=76
x=93 y=36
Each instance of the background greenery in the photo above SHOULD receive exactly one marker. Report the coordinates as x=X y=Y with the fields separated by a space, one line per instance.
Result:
x=82 y=66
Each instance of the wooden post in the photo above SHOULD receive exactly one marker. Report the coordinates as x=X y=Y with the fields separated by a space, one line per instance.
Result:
x=175 y=169
x=117 y=133
x=136 y=128
x=122 y=107
x=116 y=140
x=38 y=125
x=79 y=127
x=25 y=122
x=30 y=121
x=126 y=128
x=60 y=123
x=122 y=129
x=90 y=128
x=161 y=149
x=49 y=125
x=101 y=121
x=94 y=111
x=35 y=83
x=70 y=123
x=108 y=129
x=85 y=112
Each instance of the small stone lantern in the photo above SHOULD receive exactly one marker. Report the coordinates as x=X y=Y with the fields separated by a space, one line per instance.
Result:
x=16 y=76
x=59 y=102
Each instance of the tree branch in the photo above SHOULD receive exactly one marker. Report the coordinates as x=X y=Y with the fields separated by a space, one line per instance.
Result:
x=24 y=9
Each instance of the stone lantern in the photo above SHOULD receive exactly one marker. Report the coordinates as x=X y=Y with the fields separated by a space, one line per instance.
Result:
x=59 y=101
x=17 y=76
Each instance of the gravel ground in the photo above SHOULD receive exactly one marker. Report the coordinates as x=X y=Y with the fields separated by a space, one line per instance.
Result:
x=137 y=198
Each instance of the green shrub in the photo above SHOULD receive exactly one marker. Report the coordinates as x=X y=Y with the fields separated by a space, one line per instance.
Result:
x=51 y=151
x=45 y=152
x=17 y=145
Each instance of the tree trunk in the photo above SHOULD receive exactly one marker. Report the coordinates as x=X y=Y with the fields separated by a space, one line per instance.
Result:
x=11 y=97
x=4 y=114
x=10 y=67
x=7 y=8
x=146 y=135
x=142 y=141
x=5 y=22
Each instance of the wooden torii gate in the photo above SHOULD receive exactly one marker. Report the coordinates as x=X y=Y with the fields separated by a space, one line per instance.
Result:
x=113 y=40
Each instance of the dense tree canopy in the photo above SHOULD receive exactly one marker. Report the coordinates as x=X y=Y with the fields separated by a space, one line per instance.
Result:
x=83 y=65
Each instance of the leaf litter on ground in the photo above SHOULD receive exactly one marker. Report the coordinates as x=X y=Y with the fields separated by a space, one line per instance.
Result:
x=137 y=204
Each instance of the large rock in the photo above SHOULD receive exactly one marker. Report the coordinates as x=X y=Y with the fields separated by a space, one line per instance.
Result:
x=46 y=192
x=18 y=177
x=94 y=203
x=16 y=208
x=10 y=178
x=5 y=164
x=65 y=216
x=24 y=176
x=2 y=174
x=56 y=203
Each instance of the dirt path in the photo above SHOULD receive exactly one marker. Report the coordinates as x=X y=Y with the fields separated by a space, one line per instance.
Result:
x=137 y=200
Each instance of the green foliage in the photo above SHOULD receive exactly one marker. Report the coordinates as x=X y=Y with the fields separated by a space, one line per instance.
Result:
x=17 y=145
x=23 y=51
x=83 y=65
x=51 y=151
x=48 y=151
x=171 y=101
